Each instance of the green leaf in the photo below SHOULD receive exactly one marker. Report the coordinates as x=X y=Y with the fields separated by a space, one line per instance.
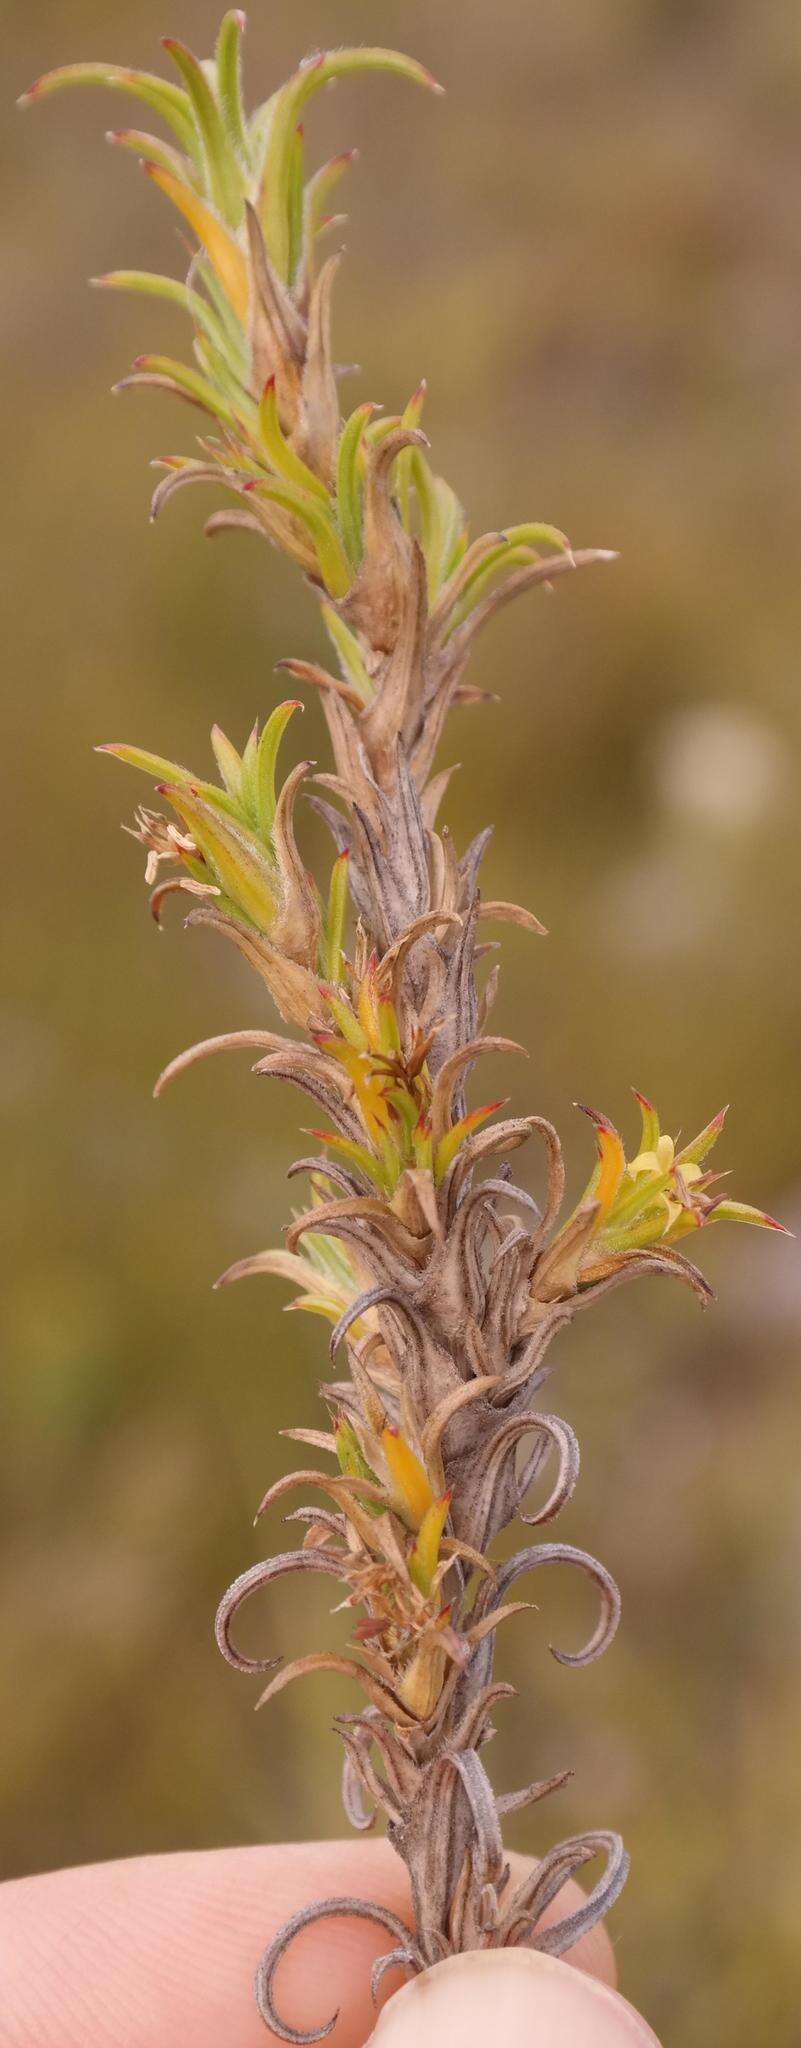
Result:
x=295 y=204
x=236 y=858
x=335 y=919
x=224 y=175
x=651 y=1130
x=410 y=417
x=353 y=1461
x=268 y=754
x=219 y=373
x=377 y=430
x=349 y=482
x=281 y=453
x=457 y=548
x=534 y=533
x=287 y=105
x=742 y=1212
x=235 y=341
x=151 y=285
x=358 y=1156
x=154 y=765
x=441 y=520
x=186 y=382
x=520 y=544
x=228 y=761
x=330 y=1258
x=319 y=189
x=250 y=783
x=161 y=770
x=350 y=653
x=696 y=1152
x=635 y=1201
x=205 y=318
x=165 y=99
x=228 y=56
x=348 y=1026
x=152 y=150
x=650 y=1226
x=449 y=1145
x=333 y=563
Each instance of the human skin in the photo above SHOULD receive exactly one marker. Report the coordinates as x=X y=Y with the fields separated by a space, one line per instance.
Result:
x=160 y=1951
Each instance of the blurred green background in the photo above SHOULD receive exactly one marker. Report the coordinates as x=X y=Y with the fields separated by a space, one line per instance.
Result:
x=592 y=249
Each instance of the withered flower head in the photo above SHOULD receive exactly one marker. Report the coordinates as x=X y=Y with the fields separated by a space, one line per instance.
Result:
x=442 y=1280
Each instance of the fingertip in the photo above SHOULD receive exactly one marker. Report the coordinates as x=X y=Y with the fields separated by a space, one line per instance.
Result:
x=517 y=1996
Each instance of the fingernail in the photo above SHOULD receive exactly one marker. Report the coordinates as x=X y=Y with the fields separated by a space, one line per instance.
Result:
x=513 y=1998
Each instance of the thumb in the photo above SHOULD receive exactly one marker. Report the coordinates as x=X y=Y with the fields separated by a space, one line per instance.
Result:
x=514 y=1997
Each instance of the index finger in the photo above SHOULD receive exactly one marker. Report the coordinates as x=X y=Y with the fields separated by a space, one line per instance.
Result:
x=160 y=1951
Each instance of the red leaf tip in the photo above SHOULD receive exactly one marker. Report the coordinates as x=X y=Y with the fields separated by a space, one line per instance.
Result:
x=601 y=1122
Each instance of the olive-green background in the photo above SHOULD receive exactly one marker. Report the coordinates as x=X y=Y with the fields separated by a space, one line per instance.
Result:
x=592 y=249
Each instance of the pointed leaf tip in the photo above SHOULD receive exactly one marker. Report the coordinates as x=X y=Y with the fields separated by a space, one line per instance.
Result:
x=596 y=1116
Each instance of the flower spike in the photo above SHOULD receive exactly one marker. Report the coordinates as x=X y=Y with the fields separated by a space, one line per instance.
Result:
x=442 y=1280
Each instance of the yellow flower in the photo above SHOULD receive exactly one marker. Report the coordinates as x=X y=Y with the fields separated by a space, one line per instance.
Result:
x=663 y=1192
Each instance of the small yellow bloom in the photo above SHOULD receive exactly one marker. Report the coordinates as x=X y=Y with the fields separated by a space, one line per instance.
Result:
x=659 y=1195
x=413 y=1490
